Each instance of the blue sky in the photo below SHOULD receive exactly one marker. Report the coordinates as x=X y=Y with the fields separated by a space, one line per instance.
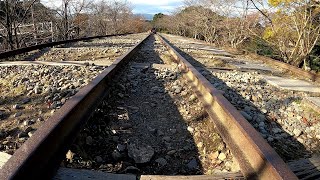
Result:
x=138 y=6
x=153 y=7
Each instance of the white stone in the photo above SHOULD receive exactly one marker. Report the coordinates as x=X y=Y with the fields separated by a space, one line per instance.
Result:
x=190 y=129
x=222 y=156
x=297 y=132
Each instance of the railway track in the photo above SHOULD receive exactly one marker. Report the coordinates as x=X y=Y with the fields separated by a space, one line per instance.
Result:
x=277 y=112
x=31 y=91
x=150 y=113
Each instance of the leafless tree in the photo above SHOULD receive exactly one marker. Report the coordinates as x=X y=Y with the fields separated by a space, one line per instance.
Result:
x=294 y=29
x=68 y=19
x=112 y=17
x=13 y=14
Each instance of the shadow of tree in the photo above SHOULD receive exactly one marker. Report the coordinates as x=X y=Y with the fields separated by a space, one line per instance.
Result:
x=286 y=145
x=37 y=54
x=100 y=45
x=138 y=108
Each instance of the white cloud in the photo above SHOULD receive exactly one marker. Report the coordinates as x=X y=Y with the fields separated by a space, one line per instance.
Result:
x=153 y=7
x=139 y=6
x=52 y=3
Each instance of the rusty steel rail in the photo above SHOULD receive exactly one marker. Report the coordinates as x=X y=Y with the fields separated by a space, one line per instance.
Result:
x=257 y=159
x=295 y=70
x=40 y=156
x=298 y=72
x=41 y=46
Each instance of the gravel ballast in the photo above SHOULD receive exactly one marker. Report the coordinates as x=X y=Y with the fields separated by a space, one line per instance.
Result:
x=151 y=123
x=291 y=128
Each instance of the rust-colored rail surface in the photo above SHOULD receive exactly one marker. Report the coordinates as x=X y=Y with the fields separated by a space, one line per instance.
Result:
x=256 y=157
x=41 y=46
x=295 y=70
x=40 y=155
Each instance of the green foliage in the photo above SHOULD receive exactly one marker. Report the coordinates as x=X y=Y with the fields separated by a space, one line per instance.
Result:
x=157 y=17
x=261 y=47
x=315 y=59
x=198 y=9
x=315 y=63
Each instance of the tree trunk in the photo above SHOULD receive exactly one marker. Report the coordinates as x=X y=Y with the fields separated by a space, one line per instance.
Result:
x=34 y=26
x=16 y=35
x=9 y=26
x=66 y=28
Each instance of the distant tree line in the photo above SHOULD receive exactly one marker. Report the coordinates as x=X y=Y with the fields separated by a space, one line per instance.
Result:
x=287 y=30
x=29 y=22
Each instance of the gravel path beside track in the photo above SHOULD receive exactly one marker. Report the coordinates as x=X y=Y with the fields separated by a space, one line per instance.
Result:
x=291 y=128
x=31 y=94
x=106 y=49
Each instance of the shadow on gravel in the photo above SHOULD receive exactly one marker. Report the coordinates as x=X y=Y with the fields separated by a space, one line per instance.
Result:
x=283 y=143
x=100 y=45
x=27 y=56
x=138 y=128
x=37 y=54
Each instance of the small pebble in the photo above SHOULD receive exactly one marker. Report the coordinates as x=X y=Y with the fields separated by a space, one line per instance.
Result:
x=89 y=140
